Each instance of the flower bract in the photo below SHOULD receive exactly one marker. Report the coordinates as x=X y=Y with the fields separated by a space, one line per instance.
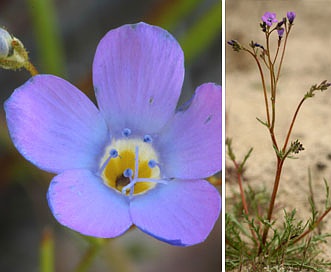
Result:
x=134 y=159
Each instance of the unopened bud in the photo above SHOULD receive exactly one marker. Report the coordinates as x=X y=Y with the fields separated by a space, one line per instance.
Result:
x=6 y=48
x=291 y=16
x=13 y=55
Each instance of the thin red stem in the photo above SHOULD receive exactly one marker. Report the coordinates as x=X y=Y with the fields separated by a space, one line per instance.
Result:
x=292 y=124
x=280 y=163
x=314 y=226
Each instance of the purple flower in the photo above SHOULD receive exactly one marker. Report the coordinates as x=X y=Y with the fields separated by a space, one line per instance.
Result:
x=269 y=18
x=280 y=32
x=134 y=160
x=291 y=16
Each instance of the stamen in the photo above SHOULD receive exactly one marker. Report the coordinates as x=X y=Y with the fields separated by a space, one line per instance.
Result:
x=148 y=138
x=126 y=132
x=152 y=163
x=162 y=181
x=136 y=162
x=113 y=153
x=129 y=162
x=129 y=186
x=128 y=173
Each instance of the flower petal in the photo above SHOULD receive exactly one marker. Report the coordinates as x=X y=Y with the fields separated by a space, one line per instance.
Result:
x=80 y=201
x=138 y=72
x=54 y=125
x=180 y=213
x=191 y=144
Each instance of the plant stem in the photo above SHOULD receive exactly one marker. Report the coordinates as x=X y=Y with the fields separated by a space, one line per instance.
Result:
x=280 y=162
x=31 y=68
x=316 y=224
x=273 y=87
x=263 y=86
x=47 y=251
x=283 y=53
x=292 y=123
x=242 y=194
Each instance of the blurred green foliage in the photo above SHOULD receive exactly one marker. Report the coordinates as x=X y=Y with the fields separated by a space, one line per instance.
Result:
x=48 y=38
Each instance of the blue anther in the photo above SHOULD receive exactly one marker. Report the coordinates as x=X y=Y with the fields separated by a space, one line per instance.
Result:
x=126 y=132
x=152 y=163
x=128 y=173
x=148 y=138
x=113 y=153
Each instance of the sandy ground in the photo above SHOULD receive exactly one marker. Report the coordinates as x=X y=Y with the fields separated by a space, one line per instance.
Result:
x=307 y=61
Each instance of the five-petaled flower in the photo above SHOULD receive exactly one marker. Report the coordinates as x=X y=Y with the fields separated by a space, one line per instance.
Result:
x=269 y=18
x=134 y=160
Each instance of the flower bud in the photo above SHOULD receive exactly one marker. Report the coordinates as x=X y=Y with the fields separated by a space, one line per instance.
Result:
x=235 y=45
x=290 y=16
x=6 y=39
x=280 y=32
x=13 y=55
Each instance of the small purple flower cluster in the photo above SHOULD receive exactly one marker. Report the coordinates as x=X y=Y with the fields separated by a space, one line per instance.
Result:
x=270 y=17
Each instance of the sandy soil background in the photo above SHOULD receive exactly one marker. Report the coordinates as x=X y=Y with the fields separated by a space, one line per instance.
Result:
x=307 y=61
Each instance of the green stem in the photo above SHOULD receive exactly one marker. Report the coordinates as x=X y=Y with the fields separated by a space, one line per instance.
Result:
x=48 y=36
x=47 y=251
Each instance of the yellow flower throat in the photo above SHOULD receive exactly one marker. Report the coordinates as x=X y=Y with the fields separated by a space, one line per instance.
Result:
x=130 y=166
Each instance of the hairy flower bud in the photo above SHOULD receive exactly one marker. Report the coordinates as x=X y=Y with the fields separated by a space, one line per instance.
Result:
x=6 y=39
x=13 y=55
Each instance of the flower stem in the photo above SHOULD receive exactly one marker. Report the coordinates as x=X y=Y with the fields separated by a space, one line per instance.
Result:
x=292 y=123
x=47 y=251
x=280 y=162
x=242 y=194
x=316 y=224
x=31 y=68
x=241 y=189
x=263 y=86
x=283 y=53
